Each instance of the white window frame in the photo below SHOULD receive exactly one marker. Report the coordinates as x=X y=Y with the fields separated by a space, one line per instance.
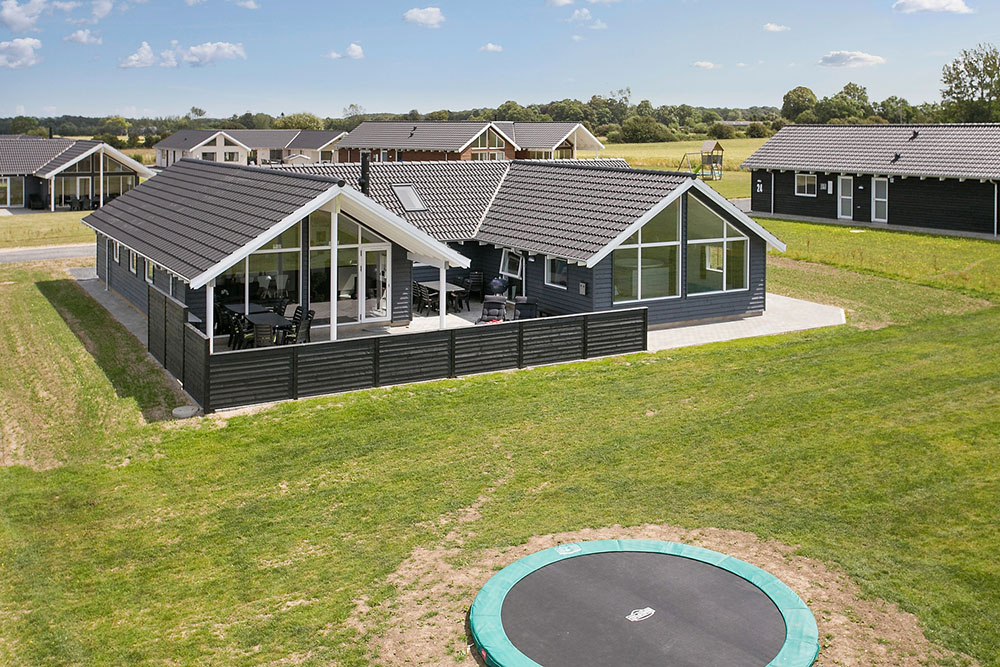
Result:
x=235 y=156
x=659 y=244
x=117 y=252
x=807 y=177
x=884 y=179
x=205 y=154
x=503 y=264
x=150 y=276
x=24 y=195
x=548 y=272
x=725 y=240
x=360 y=248
x=133 y=262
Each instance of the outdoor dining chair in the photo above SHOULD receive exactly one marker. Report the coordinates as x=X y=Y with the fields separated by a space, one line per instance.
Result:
x=525 y=307
x=263 y=336
x=463 y=295
x=302 y=332
x=494 y=309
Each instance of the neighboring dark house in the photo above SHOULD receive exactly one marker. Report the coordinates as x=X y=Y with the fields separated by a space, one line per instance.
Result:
x=49 y=173
x=410 y=141
x=941 y=177
x=583 y=236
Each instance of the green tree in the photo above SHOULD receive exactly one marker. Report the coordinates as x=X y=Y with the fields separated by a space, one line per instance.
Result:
x=511 y=110
x=757 y=131
x=353 y=110
x=644 y=108
x=971 y=90
x=438 y=115
x=807 y=117
x=196 y=112
x=796 y=101
x=299 y=121
x=261 y=121
x=115 y=125
x=644 y=129
x=567 y=110
x=895 y=110
x=23 y=124
x=720 y=131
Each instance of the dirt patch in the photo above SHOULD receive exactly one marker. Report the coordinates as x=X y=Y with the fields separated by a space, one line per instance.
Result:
x=425 y=623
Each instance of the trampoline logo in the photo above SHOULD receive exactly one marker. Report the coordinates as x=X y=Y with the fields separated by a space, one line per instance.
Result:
x=567 y=549
x=640 y=614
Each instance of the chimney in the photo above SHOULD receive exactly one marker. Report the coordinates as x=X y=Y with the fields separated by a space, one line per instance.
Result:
x=365 y=179
x=50 y=131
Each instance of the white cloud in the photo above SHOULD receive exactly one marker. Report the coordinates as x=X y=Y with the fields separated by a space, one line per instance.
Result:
x=776 y=27
x=247 y=4
x=83 y=37
x=558 y=3
x=210 y=53
x=19 y=53
x=741 y=64
x=576 y=38
x=850 y=59
x=490 y=47
x=144 y=57
x=598 y=25
x=67 y=6
x=101 y=8
x=603 y=2
x=704 y=64
x=49 y=110
x=354 y=51
x=951 y=6
x=168 y=58
x=428 y=17
x=580 y=15
x=19 y=17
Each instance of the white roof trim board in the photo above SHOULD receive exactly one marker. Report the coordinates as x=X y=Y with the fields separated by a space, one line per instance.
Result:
x=490 y=126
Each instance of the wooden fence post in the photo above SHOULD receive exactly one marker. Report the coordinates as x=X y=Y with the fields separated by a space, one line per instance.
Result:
x=520 y=344
x=375 y=361
x=586 y=336
x=451 y=354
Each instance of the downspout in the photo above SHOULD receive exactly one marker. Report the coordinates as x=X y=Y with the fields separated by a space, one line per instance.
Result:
x=100 y=175
x=107 y=263
x=772 y=192
x=996 y=229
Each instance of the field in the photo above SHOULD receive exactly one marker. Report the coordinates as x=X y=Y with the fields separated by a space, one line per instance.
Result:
x=37 y=229
x=254 y=538
x=667 y=155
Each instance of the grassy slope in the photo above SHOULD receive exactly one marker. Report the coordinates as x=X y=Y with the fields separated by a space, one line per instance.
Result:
x=668 y=154
x=37 y=229
x=247 y=541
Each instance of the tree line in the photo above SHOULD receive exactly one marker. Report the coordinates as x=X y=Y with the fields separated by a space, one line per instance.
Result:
x=970 y=93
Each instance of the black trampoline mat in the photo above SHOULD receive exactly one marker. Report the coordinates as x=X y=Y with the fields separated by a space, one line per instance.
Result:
x=571 y=613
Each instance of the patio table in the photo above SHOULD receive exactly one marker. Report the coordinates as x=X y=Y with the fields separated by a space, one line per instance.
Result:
x=269 y=318
x=435 y=286
x=238 y=308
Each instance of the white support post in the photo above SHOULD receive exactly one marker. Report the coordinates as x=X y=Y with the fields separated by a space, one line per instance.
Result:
x=246 y=285
x=52 y=194
x=101 y=174
x=210 y=315
x=442 y=296
x=334 y=273
x=996 y=227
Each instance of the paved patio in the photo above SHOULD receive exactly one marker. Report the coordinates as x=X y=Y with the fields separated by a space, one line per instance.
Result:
x=783 y=314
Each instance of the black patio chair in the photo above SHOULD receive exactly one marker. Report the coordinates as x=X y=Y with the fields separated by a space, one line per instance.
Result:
x=302 y=333
x=494 y=309
x=74 y=203
x=282 y=331
x=35 y=202
x=462 y=296
x=242 y=334
x=282 y=306
x=476 y=283
x=525 y=307
x=426 y=299
x=262 y=335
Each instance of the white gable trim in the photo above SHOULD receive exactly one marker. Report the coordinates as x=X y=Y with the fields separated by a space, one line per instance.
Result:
x=140 y=169
x=213 y=137
x=700 y=186
x=490 y=126
x=577 y=128
x=332 y=141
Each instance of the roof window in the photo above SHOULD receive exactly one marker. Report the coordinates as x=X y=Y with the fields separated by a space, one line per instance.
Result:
x=409 y=198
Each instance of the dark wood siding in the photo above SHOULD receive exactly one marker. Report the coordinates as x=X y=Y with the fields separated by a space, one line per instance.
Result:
x=324 y=369
x=823 y=205
x=485 y=349
x=243 y=379
x=402 y=285
x=130 y=285
x=950 y=204
x=195 y=379
x=549 y=340
x=156 y=328
x=760 y=190
x=553 y=299
x=415 y=357
x=175 y=318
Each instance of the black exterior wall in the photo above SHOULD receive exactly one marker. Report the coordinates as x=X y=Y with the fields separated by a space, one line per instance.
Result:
x=951 y=204
x=117 y=275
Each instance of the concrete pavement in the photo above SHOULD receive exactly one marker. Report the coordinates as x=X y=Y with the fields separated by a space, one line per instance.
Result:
x=12 y=255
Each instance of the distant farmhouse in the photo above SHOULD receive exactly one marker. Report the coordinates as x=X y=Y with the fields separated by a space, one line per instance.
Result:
x=413 y=141
x=42 y=173
x=941 y=177
x=263 y=147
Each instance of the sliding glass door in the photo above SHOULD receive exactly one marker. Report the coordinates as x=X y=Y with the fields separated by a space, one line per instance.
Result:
x=12 y=191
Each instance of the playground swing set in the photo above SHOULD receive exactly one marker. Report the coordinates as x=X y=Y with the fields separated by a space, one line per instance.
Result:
x=709 y=167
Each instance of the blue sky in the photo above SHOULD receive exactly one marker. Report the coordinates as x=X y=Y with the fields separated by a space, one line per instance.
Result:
x=160 y=57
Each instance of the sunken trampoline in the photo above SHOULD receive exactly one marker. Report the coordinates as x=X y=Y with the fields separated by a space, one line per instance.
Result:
x=639 y=603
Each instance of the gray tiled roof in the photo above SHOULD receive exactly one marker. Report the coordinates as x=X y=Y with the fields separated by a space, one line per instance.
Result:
x=38 y=156
x=312 y=139
x=540 y=136
x=949 y=151
x=183 y=140
x=256 y=139
x=414 y=135
x=195 y=214
x=456 y=193
x=571 y=209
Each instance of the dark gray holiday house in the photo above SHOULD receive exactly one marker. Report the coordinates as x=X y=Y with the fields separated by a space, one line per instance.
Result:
x=938 y=177
x=600 y=251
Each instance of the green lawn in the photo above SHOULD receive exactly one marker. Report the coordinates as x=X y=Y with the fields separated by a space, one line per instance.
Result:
x=970 y=266
x=668 y=154
x=248 y=539
x=36 y=229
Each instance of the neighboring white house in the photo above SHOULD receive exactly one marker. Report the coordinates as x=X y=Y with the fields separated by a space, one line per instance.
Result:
x=249 y=146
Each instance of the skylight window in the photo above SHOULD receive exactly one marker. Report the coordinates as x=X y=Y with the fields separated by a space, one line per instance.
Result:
x=409 y=198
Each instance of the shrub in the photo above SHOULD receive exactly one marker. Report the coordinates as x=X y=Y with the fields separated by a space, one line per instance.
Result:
x=110 y=140
x=807 y=117
x=720 y=131
x=644 y=130
x=757 y=131
x=606 y=129
x=615 y=137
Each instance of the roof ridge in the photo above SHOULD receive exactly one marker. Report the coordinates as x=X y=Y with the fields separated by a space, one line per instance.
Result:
x=72 y=143
x=888 y=125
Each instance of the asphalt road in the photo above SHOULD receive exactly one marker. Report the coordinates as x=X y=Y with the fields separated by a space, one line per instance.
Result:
x=46 y=252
